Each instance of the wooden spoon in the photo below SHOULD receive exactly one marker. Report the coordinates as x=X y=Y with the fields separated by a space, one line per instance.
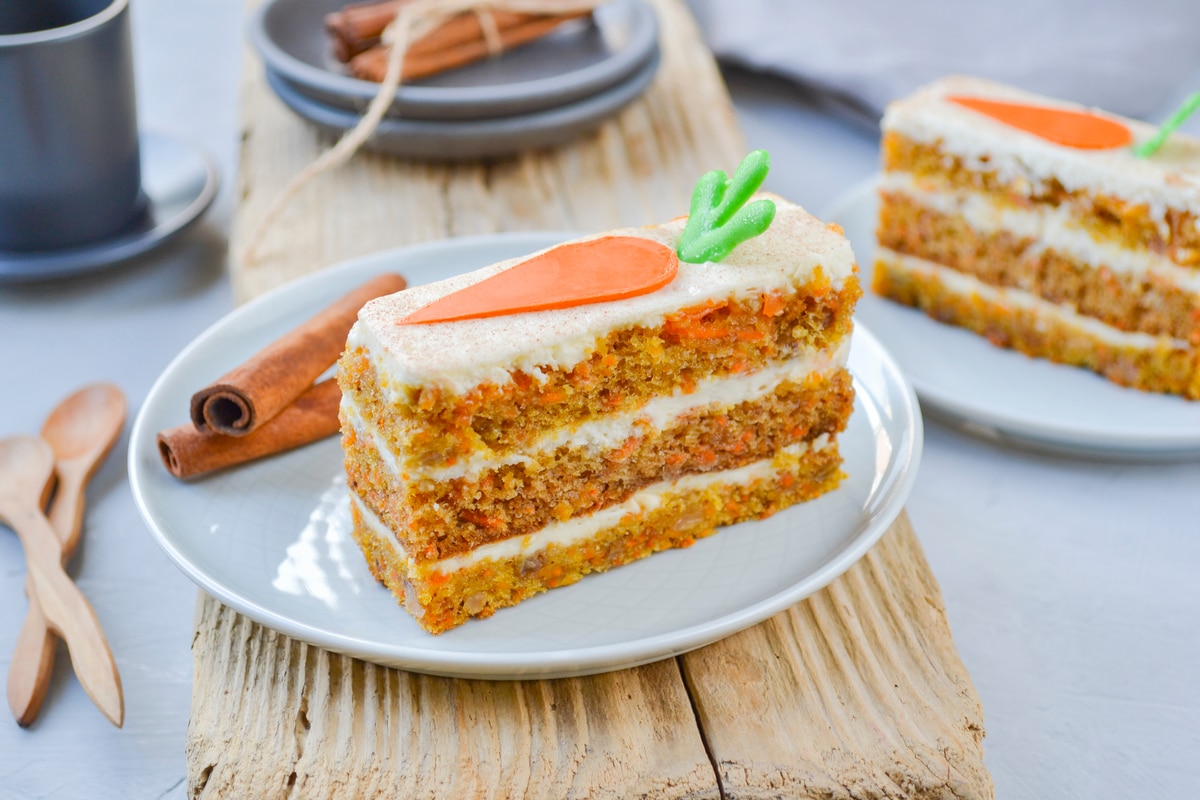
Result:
x=26 y=462
x=81 y=430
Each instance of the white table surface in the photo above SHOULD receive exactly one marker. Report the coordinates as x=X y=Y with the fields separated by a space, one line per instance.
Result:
x=1071 y=586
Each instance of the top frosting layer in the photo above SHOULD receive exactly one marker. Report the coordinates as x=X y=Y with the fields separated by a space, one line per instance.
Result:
x=1170 y=178
x=458 y=355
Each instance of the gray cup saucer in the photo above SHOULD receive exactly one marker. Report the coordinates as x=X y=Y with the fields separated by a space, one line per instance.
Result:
x=178 y=181
x=578 y=60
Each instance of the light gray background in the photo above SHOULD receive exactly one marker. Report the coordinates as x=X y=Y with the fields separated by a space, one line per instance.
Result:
x=1119 y=55
x=1071 y=586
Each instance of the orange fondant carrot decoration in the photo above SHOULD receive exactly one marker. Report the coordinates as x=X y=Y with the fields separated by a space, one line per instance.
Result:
x=1080 y=129
x=578 y=273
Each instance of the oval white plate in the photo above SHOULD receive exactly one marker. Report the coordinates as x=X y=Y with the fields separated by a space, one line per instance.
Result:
x=1005 y=395
x=272 y=540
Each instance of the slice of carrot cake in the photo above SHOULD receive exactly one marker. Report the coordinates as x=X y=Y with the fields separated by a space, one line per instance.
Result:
x=1032 y=222
x=498 y=447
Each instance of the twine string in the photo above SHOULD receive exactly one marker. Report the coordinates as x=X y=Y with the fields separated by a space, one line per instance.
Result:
x=491 y=32
x=413 y=21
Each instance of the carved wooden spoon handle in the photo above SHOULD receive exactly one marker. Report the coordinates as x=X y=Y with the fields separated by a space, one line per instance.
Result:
x=68 y=613
x=33 y=657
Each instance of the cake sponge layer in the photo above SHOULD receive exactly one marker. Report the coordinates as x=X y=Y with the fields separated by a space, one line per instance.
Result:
x=432 y=427
x=440 y=517
x=1028 y=324
x=457 y=356
x=1130 y=301
x=441 y=596
x=1169 y=231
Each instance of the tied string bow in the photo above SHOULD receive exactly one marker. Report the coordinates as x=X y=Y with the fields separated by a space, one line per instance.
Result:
x=414 y=20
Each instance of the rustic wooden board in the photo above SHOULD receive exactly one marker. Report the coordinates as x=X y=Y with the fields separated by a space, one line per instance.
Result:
x=855 y=693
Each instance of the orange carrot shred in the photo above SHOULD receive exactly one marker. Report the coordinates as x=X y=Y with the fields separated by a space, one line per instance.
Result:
x=773 y=304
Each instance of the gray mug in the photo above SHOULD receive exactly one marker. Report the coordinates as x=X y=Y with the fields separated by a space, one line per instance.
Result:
x=69 y=167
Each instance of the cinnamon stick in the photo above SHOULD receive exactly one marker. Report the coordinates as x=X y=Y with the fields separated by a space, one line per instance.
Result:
x=187 y=452
x=371 y=65
x=358 y=27
x=247 y=397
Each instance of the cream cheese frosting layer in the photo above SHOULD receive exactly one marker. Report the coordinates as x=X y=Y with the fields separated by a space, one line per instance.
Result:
x=967 y=286
x=610 y=432
x=580 y=529
x=1169 y=179
x=1051 y=227
x=459 y=355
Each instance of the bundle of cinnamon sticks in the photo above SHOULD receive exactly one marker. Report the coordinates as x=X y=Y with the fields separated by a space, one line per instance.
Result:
x=356 y=31
x=272 y=402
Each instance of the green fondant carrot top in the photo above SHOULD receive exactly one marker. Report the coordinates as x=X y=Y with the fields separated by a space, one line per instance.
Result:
x=1151 y=145
x=720 y=219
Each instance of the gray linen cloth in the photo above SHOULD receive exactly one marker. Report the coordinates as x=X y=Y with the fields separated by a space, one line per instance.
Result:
x=1127 y=56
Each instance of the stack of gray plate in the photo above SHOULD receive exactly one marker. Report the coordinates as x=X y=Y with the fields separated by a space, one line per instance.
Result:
x=535 y=96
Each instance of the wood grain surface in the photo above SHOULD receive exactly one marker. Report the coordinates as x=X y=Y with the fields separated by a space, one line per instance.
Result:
x=857 y=692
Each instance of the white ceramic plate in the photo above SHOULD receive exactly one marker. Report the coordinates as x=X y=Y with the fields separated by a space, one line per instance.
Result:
x=1004 y=395
x=272 y=539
